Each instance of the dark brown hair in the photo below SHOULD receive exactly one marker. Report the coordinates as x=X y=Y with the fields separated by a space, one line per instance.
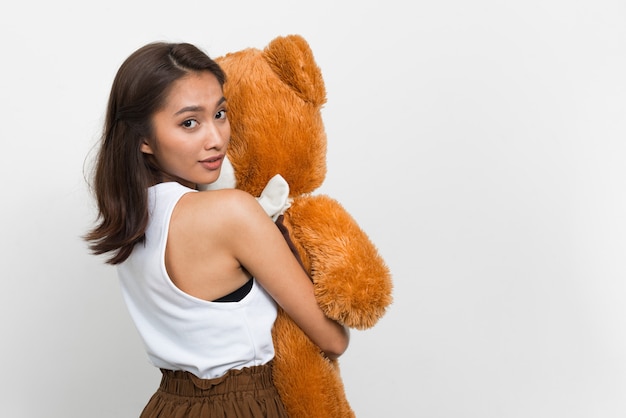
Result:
x=122 y=173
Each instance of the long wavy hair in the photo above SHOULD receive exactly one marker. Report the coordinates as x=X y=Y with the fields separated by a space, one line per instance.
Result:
x=122 y=173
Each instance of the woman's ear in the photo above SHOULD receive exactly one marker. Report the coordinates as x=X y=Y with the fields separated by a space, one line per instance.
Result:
x=145 y=147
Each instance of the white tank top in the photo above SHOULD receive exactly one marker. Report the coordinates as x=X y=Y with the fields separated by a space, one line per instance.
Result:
x=182 y=332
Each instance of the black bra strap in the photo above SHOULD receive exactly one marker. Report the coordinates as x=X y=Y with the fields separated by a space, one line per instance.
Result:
x=238 y=294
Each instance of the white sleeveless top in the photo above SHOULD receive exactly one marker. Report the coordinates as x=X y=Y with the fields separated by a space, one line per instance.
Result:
x=182 y=332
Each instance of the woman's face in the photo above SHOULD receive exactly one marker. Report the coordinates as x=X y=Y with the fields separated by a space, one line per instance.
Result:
x=191 y=131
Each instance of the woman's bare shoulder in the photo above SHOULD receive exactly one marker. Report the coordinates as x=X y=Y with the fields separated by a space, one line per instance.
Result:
x=211 y=206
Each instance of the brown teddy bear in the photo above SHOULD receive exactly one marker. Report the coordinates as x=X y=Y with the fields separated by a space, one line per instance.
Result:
x=275 y=97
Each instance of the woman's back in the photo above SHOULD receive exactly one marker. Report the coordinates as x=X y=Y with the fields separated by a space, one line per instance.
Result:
x=179 y=329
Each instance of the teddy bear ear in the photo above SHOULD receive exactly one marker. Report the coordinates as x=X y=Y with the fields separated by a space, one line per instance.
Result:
x=291 y=58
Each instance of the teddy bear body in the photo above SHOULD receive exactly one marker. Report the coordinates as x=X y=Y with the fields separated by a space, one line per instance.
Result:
x=275 y=97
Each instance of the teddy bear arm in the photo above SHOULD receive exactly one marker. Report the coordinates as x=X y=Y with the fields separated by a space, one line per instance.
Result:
x=352 y=282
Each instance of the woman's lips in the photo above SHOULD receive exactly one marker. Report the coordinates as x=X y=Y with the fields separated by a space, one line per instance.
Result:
x=212 y=163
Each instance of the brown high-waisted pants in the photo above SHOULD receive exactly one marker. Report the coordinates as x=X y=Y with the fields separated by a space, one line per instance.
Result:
x=245 y=393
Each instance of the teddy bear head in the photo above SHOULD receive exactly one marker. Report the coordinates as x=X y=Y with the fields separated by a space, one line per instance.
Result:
x=275 y=96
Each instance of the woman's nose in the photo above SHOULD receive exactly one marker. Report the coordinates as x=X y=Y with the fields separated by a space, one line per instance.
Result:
x=215 y=136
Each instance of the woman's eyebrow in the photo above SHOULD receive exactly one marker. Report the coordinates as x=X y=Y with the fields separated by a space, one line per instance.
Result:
x=189 y=109
x=196 y=108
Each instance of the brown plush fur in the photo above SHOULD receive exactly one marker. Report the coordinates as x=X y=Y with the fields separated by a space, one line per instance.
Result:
x=275 y=97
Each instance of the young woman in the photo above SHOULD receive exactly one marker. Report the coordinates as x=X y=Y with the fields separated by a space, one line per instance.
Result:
x=201 y=271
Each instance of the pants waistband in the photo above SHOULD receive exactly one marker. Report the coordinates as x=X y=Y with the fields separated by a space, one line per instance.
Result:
x=183 y=383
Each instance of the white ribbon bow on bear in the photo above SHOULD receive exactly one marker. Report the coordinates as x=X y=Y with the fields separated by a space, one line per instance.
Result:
x=274 y=198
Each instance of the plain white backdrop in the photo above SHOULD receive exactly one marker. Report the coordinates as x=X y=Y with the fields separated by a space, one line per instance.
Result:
x=480 y=144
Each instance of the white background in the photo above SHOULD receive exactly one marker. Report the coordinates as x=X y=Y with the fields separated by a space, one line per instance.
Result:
x=480 y=144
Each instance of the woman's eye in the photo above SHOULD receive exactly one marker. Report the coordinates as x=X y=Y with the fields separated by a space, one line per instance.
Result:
x=221 y=114
x=190 y=123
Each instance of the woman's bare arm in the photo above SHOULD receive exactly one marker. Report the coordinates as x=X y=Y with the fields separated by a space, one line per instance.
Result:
x=256 y=243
